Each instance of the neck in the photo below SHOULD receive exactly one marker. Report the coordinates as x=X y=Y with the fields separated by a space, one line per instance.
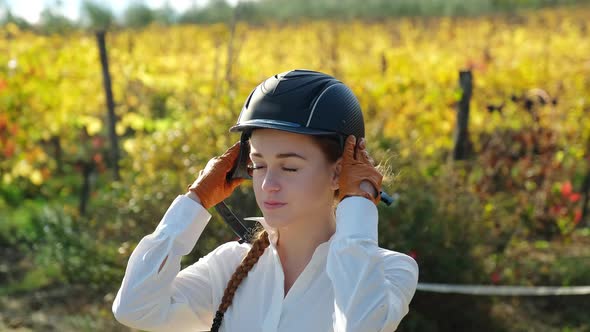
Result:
x=297 y=242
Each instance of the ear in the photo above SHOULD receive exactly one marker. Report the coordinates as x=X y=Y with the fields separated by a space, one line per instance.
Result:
x=336 y=169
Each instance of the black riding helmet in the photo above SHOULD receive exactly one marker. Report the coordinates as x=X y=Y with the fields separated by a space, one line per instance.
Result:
x=299 y=101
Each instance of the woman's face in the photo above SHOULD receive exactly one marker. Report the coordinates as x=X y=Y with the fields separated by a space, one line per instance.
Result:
x=293 y=182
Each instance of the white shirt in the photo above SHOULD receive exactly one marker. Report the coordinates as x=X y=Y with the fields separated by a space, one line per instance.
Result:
x=350 y=284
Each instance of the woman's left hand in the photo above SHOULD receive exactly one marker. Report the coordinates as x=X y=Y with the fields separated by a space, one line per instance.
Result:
x=358 y=176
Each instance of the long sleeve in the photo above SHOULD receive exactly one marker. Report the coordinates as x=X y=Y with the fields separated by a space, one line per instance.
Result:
x=166 y=300
x=373 y=286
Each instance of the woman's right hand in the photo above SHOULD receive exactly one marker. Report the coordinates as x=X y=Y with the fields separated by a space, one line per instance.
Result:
x=212 y=187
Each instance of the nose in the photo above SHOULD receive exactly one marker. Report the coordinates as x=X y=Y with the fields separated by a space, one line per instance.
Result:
x=270 y=182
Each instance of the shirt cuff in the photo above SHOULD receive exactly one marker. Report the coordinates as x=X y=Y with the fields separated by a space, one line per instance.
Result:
x=185 y=221
x=357 y=217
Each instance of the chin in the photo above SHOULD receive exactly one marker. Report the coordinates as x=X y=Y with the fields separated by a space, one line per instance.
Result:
x=276 y=221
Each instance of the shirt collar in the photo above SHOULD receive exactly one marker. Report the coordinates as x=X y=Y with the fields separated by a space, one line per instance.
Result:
x=273 y=236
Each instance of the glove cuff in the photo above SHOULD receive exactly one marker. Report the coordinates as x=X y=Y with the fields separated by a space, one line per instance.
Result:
x=196 y=191
x=365 y=195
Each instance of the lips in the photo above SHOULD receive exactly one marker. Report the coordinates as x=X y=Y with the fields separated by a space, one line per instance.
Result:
x=271 y=205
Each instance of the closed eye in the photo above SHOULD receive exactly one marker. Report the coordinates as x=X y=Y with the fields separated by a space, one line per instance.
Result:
x=254 y=167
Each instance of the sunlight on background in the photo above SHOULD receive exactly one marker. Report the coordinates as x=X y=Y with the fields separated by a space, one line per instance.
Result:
x=501 y=206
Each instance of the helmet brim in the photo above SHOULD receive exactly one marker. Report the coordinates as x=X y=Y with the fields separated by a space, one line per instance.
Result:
x=278 y=125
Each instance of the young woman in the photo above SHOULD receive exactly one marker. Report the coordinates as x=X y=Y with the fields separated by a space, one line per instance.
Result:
x=315 y=265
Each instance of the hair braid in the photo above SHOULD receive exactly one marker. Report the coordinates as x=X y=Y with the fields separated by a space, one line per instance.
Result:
x=258 y=247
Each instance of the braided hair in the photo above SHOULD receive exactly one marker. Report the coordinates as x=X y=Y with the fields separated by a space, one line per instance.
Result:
x=258 y=247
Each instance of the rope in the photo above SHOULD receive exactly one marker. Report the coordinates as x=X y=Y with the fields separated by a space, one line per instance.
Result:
x=504 y=290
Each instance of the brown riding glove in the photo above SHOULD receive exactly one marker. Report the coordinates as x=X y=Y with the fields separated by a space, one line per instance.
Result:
x=211 y=186
x=357 y=166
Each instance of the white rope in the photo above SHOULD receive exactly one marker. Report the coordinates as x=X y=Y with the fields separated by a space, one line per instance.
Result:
x=503 y=290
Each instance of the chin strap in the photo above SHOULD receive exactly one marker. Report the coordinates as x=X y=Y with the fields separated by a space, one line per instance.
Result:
x=246 y=233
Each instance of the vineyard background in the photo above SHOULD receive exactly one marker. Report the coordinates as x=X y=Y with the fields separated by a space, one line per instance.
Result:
x=510 y=214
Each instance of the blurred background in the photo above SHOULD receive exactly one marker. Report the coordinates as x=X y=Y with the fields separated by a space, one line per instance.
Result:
x=479 y=108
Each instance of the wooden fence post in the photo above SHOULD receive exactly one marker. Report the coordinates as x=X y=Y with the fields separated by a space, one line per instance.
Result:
x=463 y=147
x=87 y=167
x=112 y=120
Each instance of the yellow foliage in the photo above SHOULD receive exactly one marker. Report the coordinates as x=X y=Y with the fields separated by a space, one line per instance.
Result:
x=404 y=72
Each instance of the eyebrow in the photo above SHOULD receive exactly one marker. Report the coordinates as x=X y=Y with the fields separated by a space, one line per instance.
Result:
x=281 y=155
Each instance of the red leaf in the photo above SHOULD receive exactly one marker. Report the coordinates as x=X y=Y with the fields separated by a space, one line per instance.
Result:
x=558 y=210
x=495 y=277
x=566 y=188
x=574 y=197
x=577 y=216
x=97 y=158
x=97 y=142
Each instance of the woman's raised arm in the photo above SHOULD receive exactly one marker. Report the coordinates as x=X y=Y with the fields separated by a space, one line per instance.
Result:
x=373 y=286
x=155 y=295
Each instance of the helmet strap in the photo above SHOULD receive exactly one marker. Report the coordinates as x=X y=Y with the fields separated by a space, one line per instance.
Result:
x=241 y=170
